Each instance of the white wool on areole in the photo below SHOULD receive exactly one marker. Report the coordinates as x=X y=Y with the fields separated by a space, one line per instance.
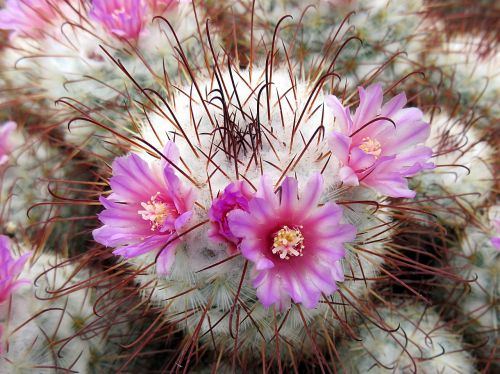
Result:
x=386 y=28
x=24 y=180
x=34 y=317
x=413 y=339
x=464 y=170
x=477 y=260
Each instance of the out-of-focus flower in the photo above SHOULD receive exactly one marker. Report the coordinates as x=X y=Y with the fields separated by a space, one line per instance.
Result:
x=123 y=18
x=495 y=240
x=147 y=209
x=127 y=18
x=380 y=146
x=6 y=143
x=295 y=244
x=162 y=6
x=10 y=268
x=28 y=17
x=235 y=196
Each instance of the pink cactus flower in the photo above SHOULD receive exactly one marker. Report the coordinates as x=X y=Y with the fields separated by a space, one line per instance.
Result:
x=28 y=17
x=235 y=196
x=10 y=269
x=147 y=209
x=496 y=239
x=294 y=243
x=6 y=143
x=122 y=18
x=376 y=152
x=162 y=6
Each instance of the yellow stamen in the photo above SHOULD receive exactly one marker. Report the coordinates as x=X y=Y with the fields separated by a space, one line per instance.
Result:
x=371 y=146
x=288 y=242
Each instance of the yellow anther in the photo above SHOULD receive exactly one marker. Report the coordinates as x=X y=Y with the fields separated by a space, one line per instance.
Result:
x=371 y=146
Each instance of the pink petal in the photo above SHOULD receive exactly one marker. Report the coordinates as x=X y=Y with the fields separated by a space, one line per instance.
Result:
x=370 y=102
x=268 y=289
x=260 y=209
x=348 y=176
x=266 y=192
x=337 y=271
x=149 y=244
x=241 y=223
x=263 y=263
x=496 y=242
x=390 y=184
x=342 y=114
x=302 y=292
x=132 y=179
x=394 y=105
x=321 y=278
x=289 y=196
x=312 y=193
x=360 y=160
x=414 y=160
x=171 y=152
x=340 y=145
x=410 y=131
x=181 y=221
x=324 y=218
x=251 y=249
x=165 y=260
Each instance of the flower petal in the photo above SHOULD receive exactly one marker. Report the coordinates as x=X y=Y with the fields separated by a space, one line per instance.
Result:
x=348 y=176
x=311 y=194
x=340 y=145
x=341 y=113
x=289 y=196
x=370 y=102
x=166 y=259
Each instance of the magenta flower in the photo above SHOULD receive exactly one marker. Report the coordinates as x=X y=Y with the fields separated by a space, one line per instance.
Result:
x=6 y=143
x=496 y=228
x=147 y=209
x=295 y=244
x=27 y=17
x=122 y=18
x=235 y=196
x=10 y=269
x=376 y=152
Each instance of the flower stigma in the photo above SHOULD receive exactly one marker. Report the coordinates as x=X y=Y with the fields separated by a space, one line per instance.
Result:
x=155 y=211
x=288 y=242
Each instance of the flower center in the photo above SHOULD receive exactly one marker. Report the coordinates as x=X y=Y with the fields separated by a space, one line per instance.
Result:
x=288 y=242
x=155 y=211
x=371 y=146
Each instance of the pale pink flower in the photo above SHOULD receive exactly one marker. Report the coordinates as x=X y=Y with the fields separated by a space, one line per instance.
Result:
x=235 y=196
x=10 y=268
x=295 y=244
x=127 y=18
x=147 y=210
x=123 y=18
x=28 y=17
x=162 y=6
x=6 y=141
x=376 y=152
x=495 y=240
